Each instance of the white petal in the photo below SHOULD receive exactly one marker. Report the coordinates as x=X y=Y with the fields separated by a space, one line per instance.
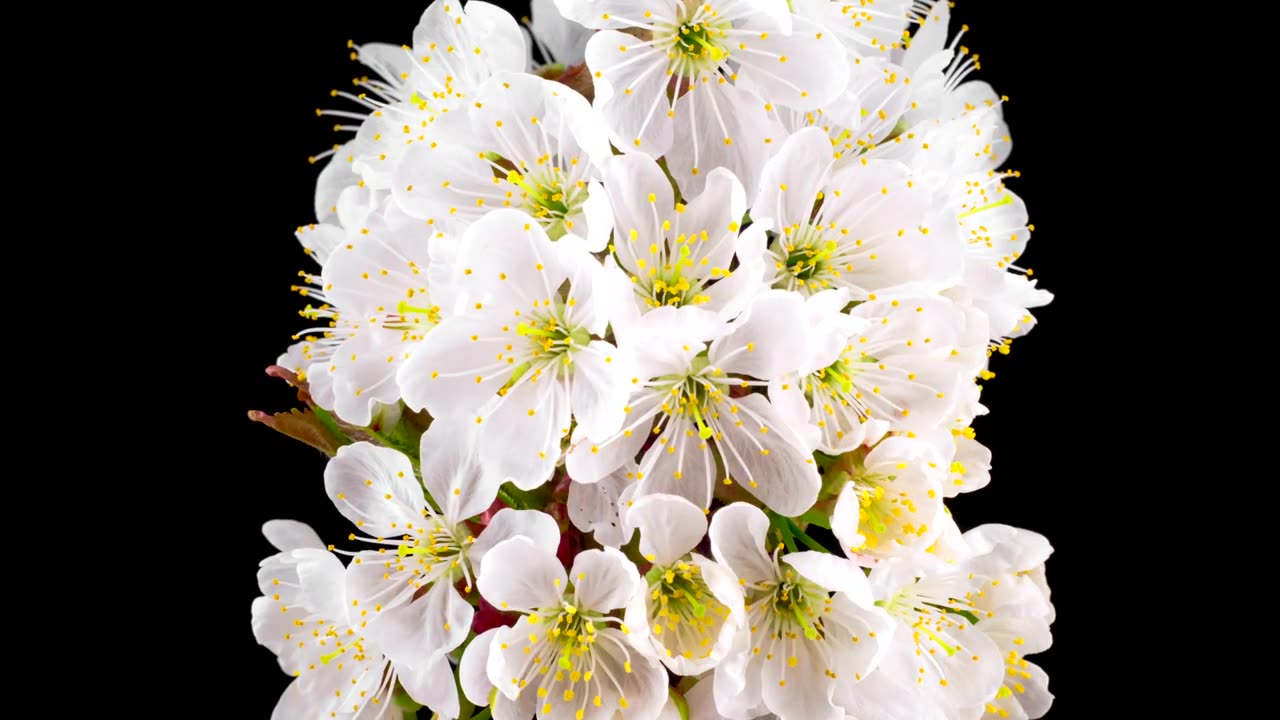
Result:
x=670 y=526
x=432 y=685
x=844 y=520
x=323 y=582
x=521 y=443
x=737 y=540
x=832 y=572
x=604 y=579
x=425 y=630
x=785 y=66
x=720 y=126
x=440 y=376
x=769 y=341
x=452 y=473
x=601 y=386
x=631 y=91
x=521 y=576
x=507 y=523
x=291 y=535
x=374 y=487
x=762 y=454
x=679 y=462
x=597 y=213
x=472 y=674
x=791 y=180
x=593 y=507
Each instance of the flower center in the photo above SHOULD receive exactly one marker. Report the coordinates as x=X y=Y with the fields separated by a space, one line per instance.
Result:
x=793 y=605
x=551 y=198
x=551 y=336
x=683 y=612
x=804 y=259
x=697 y=44
x=694 y=396
x=437 y=552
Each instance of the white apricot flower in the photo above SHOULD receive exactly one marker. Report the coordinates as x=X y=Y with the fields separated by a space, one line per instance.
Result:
x=339 y=666
x=868 y=226
x=568 y=656
x=677 y=254
x=892 y=501
x=813 y=634
x=533 y=144
x=406 y=588
x=939 y=657
x=691 y=611
x=523 y=357
x=686 y=402
x=671 y=79
x=373 y=302
x=1014 y=610
x=895 y=365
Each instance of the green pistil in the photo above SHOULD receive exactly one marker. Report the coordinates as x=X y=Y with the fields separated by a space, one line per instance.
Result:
x=1006 y=200
x=951 y=650
x=577 y=338
x=809 y=630
x=564 y=661
x=704 y=432
x=836 y=372
x=432 y=313
x=326 y=659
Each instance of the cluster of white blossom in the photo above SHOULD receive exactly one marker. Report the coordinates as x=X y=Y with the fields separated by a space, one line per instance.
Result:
x=647 y=366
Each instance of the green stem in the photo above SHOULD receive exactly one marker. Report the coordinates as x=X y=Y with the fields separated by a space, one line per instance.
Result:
x=681 y=704
x=483 y=714
x=803 y=537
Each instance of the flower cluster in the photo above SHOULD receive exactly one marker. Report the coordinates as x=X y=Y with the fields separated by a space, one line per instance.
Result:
x=646 y=368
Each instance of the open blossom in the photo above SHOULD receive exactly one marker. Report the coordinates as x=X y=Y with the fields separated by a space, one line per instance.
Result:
x=568 y=655
x=680 y=254
x=372 y=304
x=885 y=365
x=692 y=611
x=419 y=96
x=684 y=401
x=522 y=355
x=703 y=50
x=339 y=666
x=534 y=145
x=869 y=227
x=408 y=585
x=812 y=633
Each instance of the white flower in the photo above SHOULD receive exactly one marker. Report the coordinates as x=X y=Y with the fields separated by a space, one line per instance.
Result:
x=704 y=48
x=1014 y=610
x=940 y=658
x=685 y=403
x=419 y=96
x=892 y=500
x=886 y=365
x=340 y=669
x=968 y=461
x=993 y=226
x=533 y=145
x=523 y=357
x=566 y=659
x=407 y=586
x=677 y=254
x=813 y=633
x=869 y=227
x=692 y=610
x=373 y=303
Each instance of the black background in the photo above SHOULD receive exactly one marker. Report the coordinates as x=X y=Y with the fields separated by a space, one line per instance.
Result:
x=282 y=65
